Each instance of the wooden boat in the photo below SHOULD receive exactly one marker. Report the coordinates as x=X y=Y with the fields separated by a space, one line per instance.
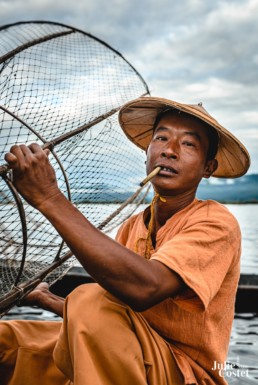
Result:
x=247 y=294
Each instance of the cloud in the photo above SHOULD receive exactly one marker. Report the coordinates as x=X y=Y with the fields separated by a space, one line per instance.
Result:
x=220 y=46
x=189 y=51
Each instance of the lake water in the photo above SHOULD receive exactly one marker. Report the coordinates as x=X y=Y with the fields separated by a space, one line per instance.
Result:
x=247 y=216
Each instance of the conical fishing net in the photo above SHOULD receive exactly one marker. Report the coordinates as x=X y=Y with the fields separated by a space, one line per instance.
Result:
x=63 y=87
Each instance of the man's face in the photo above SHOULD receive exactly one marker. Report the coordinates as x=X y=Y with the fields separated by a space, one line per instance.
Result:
x=179 y=145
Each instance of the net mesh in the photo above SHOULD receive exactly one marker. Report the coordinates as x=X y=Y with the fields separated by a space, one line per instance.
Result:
x=55 y=79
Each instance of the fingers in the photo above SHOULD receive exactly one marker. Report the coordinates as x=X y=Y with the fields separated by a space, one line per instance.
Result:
x=34 y=298
x=10 y=158
x=18 y=154
x=42 y=286
x=21 y=155
x=38 y=150
x=47 y=152
x=32 y=174
x=15 y=157
x=35 y=148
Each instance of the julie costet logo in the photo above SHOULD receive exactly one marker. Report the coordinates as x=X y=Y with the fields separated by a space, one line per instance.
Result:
x=228 y=369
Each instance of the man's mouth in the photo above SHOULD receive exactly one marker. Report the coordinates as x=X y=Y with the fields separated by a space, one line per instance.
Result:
x=166 y=169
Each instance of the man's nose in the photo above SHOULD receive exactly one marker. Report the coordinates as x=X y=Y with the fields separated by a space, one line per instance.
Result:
x=170 y=151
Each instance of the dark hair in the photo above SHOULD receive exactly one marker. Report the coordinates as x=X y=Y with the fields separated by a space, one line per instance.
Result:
x=212 y=134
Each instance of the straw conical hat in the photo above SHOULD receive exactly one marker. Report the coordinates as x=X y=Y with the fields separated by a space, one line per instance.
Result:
x=138 y=116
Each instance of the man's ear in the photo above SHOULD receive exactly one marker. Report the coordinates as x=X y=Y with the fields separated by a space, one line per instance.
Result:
x=211 y=166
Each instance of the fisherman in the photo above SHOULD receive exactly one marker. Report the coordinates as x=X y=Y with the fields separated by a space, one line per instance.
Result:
x=162 y=307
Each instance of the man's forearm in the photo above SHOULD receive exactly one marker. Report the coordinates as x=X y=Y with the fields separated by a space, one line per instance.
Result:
x=122 y=272
x=43 y=298
x=116 y=268
x=54 y=304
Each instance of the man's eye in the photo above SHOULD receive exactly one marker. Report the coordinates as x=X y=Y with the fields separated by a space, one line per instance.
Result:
x=189 y=144
x=160 y=138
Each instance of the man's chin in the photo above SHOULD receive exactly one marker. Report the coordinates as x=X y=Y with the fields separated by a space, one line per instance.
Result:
x=170 y=189
x=165 y=189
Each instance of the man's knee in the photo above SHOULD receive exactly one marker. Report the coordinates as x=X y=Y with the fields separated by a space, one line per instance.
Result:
x=90 y=298
x=91 y=308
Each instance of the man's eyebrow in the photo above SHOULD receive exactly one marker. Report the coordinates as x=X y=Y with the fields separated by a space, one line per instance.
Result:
x=160 y=128
x=195 y=134
x=192 y=133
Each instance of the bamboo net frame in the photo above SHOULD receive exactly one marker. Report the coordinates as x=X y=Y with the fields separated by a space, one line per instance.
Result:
x=62 y=88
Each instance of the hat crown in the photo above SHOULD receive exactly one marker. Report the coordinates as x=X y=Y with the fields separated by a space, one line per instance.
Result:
x=198 y=108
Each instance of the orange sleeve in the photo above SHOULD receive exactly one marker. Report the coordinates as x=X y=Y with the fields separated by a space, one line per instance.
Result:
x=202 y=254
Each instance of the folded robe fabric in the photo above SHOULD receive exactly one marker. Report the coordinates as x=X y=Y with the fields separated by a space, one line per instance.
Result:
x=102 y=342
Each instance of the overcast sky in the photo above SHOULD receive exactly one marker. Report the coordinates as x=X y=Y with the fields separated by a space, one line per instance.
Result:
x=186 y=50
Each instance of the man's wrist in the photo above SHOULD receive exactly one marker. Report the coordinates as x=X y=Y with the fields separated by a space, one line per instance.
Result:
x=47 y=205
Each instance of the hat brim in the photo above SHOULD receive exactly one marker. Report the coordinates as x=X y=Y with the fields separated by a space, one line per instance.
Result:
x=137 y=118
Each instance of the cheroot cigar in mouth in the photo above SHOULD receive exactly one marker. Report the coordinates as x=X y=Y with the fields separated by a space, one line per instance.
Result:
x=150 y=176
